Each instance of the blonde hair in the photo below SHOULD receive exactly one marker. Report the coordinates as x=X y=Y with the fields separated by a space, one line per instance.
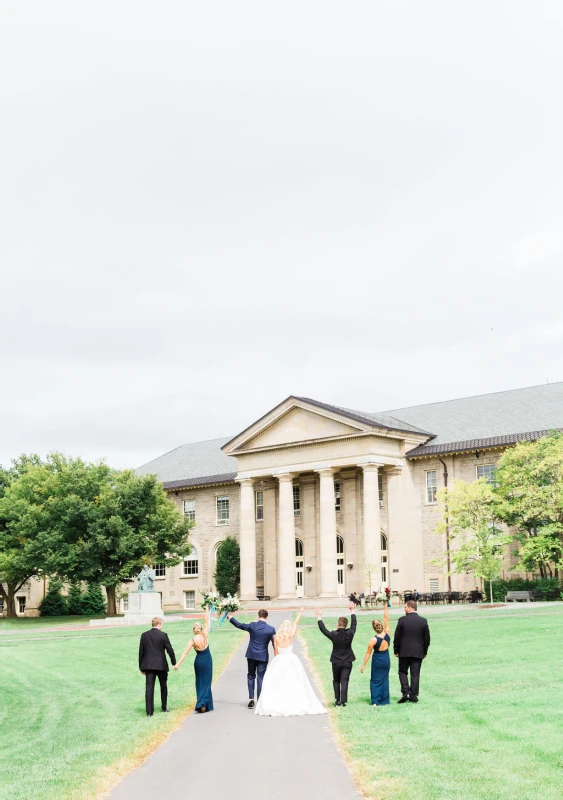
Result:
x=197 y=628
x=157 y=621
x=285 y=630
x=378 y=626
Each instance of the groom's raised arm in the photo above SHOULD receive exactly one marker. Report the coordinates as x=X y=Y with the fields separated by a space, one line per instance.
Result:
x=243 y=626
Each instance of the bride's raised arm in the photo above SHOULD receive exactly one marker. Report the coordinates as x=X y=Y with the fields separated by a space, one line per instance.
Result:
x=296 y=623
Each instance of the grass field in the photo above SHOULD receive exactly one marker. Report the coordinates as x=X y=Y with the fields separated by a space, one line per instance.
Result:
x=489 y=724
x=72 y=716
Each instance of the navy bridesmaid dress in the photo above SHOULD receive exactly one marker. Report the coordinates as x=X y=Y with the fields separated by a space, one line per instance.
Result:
x=380 y=666
x=203 y=667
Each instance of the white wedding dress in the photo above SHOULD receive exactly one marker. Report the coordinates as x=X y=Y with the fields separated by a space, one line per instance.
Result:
x=286 y=690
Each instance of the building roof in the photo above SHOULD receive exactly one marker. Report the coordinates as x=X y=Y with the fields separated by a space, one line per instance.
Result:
x=465 y=424
x=189 y=461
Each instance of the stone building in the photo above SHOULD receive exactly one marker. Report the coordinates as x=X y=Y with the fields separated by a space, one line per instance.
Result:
x=327 y=500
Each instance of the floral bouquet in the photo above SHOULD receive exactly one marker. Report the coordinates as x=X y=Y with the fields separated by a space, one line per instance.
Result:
x=229 y=603
x=209 y=599
x=380 y=597
x=388 y=596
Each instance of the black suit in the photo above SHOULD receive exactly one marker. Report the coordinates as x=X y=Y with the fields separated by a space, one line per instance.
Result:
x=411 y=643
x=152 y=661
x=341 y=657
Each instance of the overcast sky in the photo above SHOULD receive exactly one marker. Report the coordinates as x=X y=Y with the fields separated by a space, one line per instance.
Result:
x=206 y=207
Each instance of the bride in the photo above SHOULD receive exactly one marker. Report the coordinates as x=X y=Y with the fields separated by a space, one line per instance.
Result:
x=286 y=691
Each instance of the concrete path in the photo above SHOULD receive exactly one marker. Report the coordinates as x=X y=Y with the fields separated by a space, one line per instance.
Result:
x=231 y=753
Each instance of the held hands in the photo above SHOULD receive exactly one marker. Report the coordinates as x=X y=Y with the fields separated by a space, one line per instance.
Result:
x=176 y=667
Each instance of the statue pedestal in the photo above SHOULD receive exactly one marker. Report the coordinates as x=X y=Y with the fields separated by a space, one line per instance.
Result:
x=143 y=606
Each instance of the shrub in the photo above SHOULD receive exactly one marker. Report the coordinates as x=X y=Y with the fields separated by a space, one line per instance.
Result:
x=227 y=574
x=75 y=600
x=93 y=602
x=53 y=604
x=544 y=589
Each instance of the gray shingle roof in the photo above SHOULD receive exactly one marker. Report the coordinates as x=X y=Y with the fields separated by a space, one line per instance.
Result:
x=487 y=416
x=196 y=460
x=469 y=423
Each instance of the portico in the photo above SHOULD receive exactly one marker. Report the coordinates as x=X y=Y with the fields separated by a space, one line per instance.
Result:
x=323 y=474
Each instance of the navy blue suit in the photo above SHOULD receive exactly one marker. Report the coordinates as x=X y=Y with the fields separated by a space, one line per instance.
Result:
x=261 y=634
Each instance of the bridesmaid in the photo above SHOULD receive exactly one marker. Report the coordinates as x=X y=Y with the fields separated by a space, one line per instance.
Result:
x=203 y=665
x=380 y=662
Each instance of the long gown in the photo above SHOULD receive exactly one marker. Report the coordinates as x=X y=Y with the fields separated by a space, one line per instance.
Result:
x=203 y=668
x=287 y=691
x=380 y=666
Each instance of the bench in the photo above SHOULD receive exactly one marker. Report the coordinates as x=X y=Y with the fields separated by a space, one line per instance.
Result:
x=518 y=597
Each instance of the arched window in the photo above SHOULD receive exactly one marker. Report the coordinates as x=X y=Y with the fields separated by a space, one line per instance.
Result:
x=299 y=567
x=340 y=564
x=383 y=543
x=384 y=565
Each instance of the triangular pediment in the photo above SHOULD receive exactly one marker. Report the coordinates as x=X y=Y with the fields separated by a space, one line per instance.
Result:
x=290 y=423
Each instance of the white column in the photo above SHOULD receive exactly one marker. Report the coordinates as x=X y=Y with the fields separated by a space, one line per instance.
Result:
x=286 y=538
x=327 y=538
x=247 y=537
x=372 y=526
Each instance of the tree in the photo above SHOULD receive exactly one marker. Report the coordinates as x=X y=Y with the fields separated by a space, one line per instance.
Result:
x=477 y=539
x=53 y=604
x=75 y=600
x=227 y=571
x=530 y=498
x=85 y=522
x=93 y=603
x=18 y=535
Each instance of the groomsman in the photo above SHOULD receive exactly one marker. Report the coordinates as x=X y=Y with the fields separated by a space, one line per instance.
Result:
x=342 y=656
x=411 y=643
x=153 y=647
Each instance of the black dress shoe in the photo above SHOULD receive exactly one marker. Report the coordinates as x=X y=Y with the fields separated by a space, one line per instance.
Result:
x=165 y=710
x=337 y=703
x=404 y=699
x=251 y=704
x=343 y=705
x=413 y=699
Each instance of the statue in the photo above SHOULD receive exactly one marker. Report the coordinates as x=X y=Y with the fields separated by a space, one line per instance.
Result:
x=145 y=580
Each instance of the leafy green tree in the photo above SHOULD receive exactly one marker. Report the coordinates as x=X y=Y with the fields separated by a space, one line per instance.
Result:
x=19 y=530
x=93 y=603
x=476 y=536
x=530 y=498
x=75 y=600
x=54 y=604
x=227 y=572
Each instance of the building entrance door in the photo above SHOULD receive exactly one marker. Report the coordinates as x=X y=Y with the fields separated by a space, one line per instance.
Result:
x=340 y=566
x=299 y=588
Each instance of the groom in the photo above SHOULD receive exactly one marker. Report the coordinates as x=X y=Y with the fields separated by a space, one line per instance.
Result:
x=342 y=656
x=261 y=634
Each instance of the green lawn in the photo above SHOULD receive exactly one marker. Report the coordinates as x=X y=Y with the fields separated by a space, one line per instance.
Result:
x=489 y=724
x=72 y=714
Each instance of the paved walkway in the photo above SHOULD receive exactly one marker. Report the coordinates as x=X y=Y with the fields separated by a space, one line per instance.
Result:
x=232 y=753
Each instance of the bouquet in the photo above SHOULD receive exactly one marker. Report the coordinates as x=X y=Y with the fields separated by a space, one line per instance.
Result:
x=388 y=595
x=381 y=597
x=209 y=599
x=229 y=603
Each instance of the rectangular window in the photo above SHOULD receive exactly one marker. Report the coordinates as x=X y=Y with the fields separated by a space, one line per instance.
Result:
x=434 y=584
x=189 y=509
x=1 y=606
x=189 y=600
x=125 y=602
x=159 y=571
x=191 y=565
x=380 y=488
x=337 y=497
x=431 y=486
x=487 y=471
x=21 y=604
x=259 y=496
x=296 y=501
x=222 y=510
